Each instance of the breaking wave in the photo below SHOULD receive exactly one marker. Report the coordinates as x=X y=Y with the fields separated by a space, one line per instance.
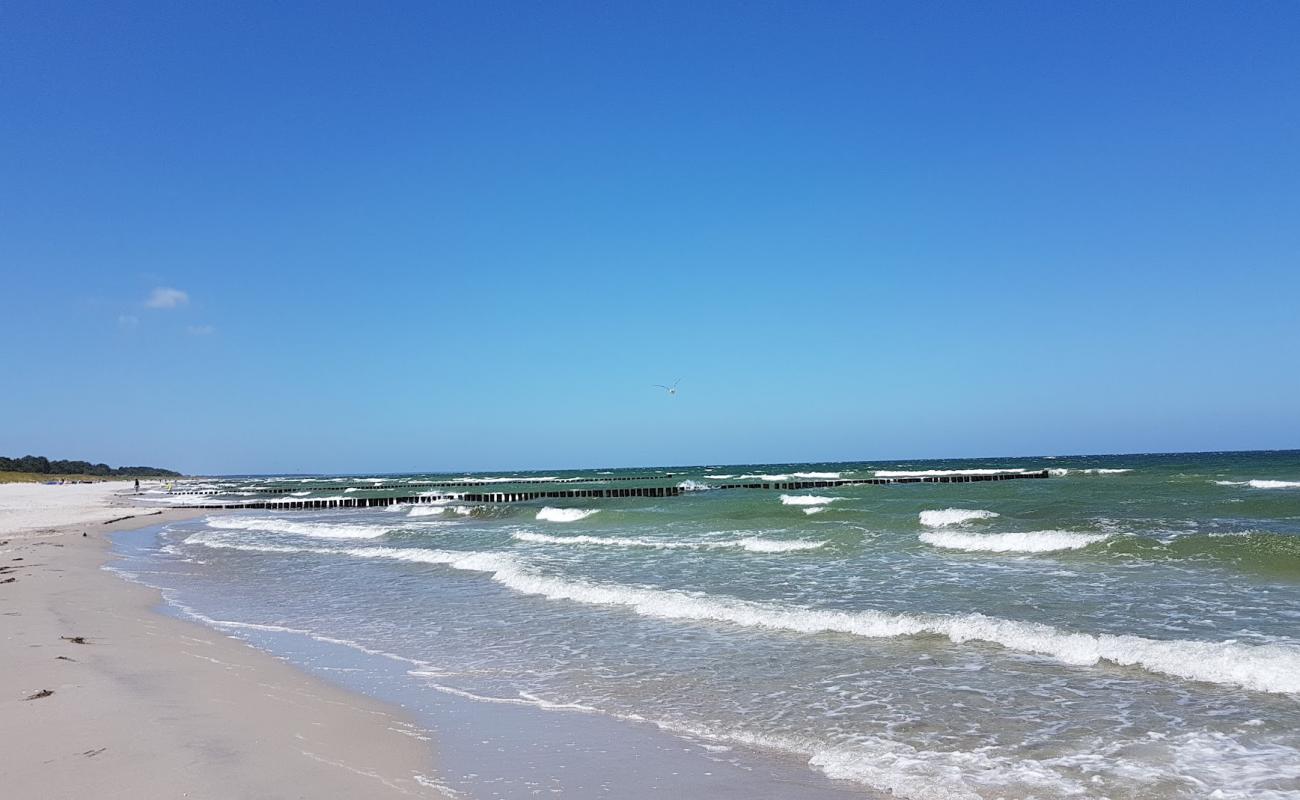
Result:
x=1262 y=484
x=693 y=486
x=806 y=500
x=1271 y=668
x=953 y=516
x=1028 y=542
x=551 y=514
x=826 y=476
x=318 y=530
x=1061 y=471
x=433 y=511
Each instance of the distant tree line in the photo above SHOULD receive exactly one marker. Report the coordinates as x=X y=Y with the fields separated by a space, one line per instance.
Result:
x=43 y=466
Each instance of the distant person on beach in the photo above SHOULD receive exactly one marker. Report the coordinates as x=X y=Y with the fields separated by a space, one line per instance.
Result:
x=137 y=486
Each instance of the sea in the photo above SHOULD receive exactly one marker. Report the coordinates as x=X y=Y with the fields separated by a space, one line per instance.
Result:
x=1127 y=627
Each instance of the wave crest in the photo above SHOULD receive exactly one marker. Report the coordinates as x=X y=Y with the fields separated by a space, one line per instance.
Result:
x=551 y=514
x=317 y=530
x=693 y=486
x=433 y=511
x=1262 y=484
x=806 y=500
x=1028 y=542
x=953 y=516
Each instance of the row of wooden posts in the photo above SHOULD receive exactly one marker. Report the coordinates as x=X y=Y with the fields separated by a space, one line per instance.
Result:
x=565 y=494
x=433 y=484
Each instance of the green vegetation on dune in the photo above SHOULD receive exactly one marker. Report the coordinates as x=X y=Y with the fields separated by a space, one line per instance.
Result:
x=44 y=469
x=44 y=477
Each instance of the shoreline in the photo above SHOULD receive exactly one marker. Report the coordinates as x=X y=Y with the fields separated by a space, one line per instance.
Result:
x=151 y=705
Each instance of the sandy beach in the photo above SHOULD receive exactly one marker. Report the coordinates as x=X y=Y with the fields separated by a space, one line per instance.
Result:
x=105 y=696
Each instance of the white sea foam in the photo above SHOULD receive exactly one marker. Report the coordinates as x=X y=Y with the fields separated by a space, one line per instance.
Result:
x=318 y=530
x=565 y=514
x=925 y=473
x=438 y=510
x=890 y=766
x=524 y=698
x=752 y=544
x=904 y=771
x=1217 y=764
x=1262 y=484
x=1267 y=668
x=818 y=475
x=1061 y=471
x=814 y=510
x=762 y=477
x=806 y=500
x=217 y=540
x=719 y=477
x=1026 y=542
x=953 y=516
x=693 y=486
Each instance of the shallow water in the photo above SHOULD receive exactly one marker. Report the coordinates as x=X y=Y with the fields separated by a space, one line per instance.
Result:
x=1128 y=628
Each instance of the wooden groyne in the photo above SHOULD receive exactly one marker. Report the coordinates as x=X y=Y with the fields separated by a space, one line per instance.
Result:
x=308 y=503
x=328 y=487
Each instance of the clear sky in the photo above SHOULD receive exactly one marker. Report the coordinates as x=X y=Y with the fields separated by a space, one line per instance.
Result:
x=407 y=235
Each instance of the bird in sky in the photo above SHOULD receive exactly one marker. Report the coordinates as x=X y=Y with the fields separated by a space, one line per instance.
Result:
x=671 y=390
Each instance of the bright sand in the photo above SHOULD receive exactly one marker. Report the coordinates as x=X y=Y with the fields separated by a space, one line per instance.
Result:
x=152 y=706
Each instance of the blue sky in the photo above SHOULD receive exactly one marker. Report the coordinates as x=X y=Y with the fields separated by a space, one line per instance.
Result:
x=344 y=237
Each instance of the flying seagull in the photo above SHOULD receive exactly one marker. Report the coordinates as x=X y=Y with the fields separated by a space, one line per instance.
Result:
x=671 y=390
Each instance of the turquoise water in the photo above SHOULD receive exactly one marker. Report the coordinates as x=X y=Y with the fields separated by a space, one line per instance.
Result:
x=1128 y=628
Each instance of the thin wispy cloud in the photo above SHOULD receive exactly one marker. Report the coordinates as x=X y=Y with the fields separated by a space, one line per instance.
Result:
x=127 y=321
x=200 y=330
x=164 y=297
